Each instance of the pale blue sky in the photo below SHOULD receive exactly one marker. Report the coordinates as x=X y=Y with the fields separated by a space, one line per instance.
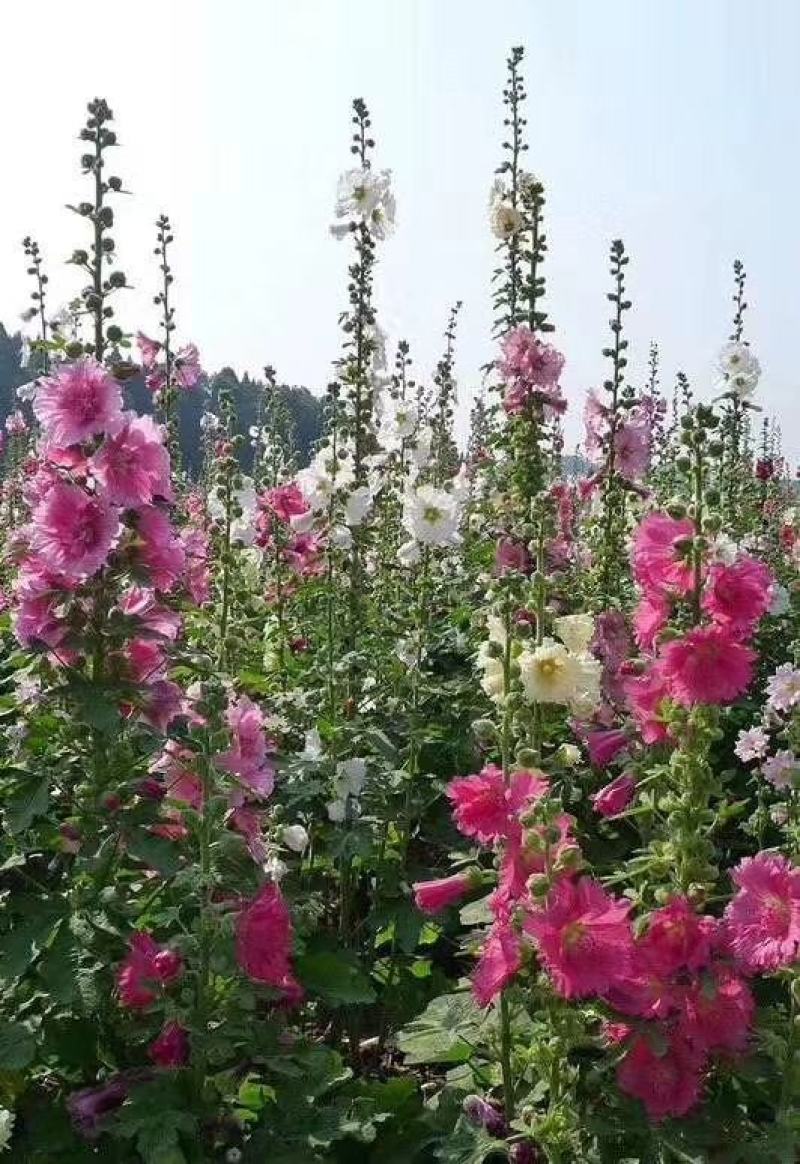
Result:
x=673 y=124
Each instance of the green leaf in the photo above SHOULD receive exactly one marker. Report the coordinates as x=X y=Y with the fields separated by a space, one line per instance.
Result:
x=336 y=977
x=159 y=853
x=446 y=1031
x=17 y=1046
x=29 y=801
x=22 y=945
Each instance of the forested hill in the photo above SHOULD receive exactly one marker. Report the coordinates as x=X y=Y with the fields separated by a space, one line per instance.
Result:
x=305 y=409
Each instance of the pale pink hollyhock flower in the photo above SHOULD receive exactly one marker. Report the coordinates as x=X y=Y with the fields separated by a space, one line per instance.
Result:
x=667 y=1079
x=782 y=769
x=433 y=896
x=16 y=424
x=148 y=349
x=632 y=441
x=197 y=572
x=177 y=767
x=763 y=919
x=660 y=554
x=79 y=401
x=249 y=822
x=187 y=370
x=485 y=808
x=247 y=756
x=739 y=595
x=133 y=465
x=615 y=797
x=525 y=358
x=717 y=1012
x=500 y=960
x=142 y=604
x=583 y=936
x=171 y=1048
x=706 y=666
x=783 y=688
x=146 y=967
x=159 y=550
x=264 y=941
x=751 y=744
x=595 y=418
x=73 y=531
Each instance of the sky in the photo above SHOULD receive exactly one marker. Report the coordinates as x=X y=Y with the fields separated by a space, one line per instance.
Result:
x=674 y=126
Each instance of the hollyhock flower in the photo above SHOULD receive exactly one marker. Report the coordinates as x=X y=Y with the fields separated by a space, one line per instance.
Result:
x=484 y=807
x=751 y=744
x=88 y=1106
x=615 y=797
x=296 y=838
x=739 y=367
x=162 y=702
x=660 y=559
x=80 y=401
x=782 y=769
x=186 y=370
x=706 y=666
x=511 y=557
x=550 y=673
x=763 y=919
x=576 y=631
x=717 y=1012
x=247 y=756
x=739 y=595
x=159 y=550
x=181 y=780
x=646 y=694
x=144 y=660
x=527 y=359
x=304 y=555
x=286 y=502
x=583 y=936
x=432 y=516
x=612 y=639
x=679 y=938
x=765 y=469
x=499 y=962
x=197 y=570
x=39 y=619
x=632 y=442
x=365 y=196
x=133 y=465
x=783 y=688
x=481 y=1114
x=264 y=938
x=433 y=896
x=595 y=418
x=505 y=220
x=649 y=619
x=249 y=822
x=140 y=603
x=73 y=531
x=147 y=965
x=148 y=349
x=528 y=852
x=171 y=1048
x=604 y=745
x=665 y=1075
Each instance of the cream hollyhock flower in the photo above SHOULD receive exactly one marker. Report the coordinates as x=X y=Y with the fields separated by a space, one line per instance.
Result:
x=504 y=218
x=550 y=673
x=576 y=631
x=432 y=516
x=365 y=196
x=492 y=680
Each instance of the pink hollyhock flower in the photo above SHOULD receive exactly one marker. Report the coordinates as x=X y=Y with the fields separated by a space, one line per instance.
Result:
x=604 y=744
x=286 y=502
x=304 y=555
x=649 y=619
x=666 y=1075
x=706 y=666
x=133 y=465
x=187 y=371
x=660 y=558
x=738 y=596
x=162 y=702
x=615 y=797
x=612 y=639
x=511 y=557
x=73 y=531
x=434 y=896
x=247 y=756
x=40 y=619
x=595 y=419
x=249 y=823
x=264 y=940
x=146 y=967
x=484 y=808
x=763 y=919
x=717 y=1012
x=527 y=359
x=171 y=1048
x=148 y=349
x=500 y=960
x=197 y=572
x=528 y=852
x=16 y=424
x=646 y=694
x=583 y=936
x=144 y=660
x=632 y=442
x=181 y=780
x=159 y=550
x=678 y=938
x=80 y=401
x=142 y=604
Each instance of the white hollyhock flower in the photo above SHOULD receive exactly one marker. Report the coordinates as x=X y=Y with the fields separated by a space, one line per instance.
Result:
x=576 y=631
x=420 y=450
x=243 y=526
x=409 y=553
x=357 y=505
x=432 y=516
x=780 y=600
x=209 y=422
x=6 y=1128
x=350 y=777
x=550 y=674
x=569 y=755
x=492 y=672
x=504 y=218
x=740 y=368
x=312 y=746
x=326 y=473
x=365 y=196
x=341 y=538
x=295 y=838
x=337 y=811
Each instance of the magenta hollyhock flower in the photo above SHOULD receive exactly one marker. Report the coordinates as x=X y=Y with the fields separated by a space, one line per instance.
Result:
x=197 y=571
x=604 y=744
x=146 y=967
x=646 y=694
x=717 y=1013
x=527 y=852
x=649 y=619
x=79 y=401
x=187 y=371
x=144 y=660
x=171 y=1048
x=707 y=665
x=177 y=765
x=484 y=807
x=763 y=919
x=433 y=896
x=159 y=550
x=632 y=441
x=615 y=797
x=73 y=531
x=500 y=960
x=162 y=702
x=678 y=938
x=525 y=358
x=264 y=938
x=482 y=1115
x=739 y=595
x=39 y=619
x=511 y=557
x=286 y=502
x=583 y=936
x=661 y=562
x=133 y=465
x=666 y=1074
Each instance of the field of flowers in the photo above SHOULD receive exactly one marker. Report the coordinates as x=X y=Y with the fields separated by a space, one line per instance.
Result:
x=416 y=804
